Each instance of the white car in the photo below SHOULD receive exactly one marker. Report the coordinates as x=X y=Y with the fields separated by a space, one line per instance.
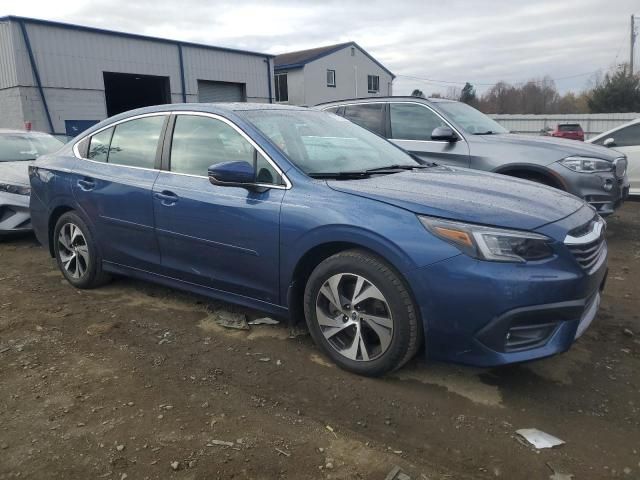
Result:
x=625 y=139
x=18 y=150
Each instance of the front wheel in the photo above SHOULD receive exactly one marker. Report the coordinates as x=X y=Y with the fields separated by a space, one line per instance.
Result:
x=361 y=314
x=76 y=252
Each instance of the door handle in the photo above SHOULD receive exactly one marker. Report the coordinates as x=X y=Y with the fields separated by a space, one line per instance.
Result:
x=86 y=184
x=167 y=198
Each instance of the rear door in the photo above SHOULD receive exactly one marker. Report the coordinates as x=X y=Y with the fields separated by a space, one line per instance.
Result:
x=225 y=238
x=411 y=125
x=113 y=187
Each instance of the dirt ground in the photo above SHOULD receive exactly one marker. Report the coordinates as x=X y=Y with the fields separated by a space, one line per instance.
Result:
x=138 y=381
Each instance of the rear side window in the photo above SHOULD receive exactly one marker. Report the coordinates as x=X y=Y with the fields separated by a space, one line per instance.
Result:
x=199 y=142
x=99 y=145
x=332 y=109
x=569 y=128
x=369 y=116
x=135 y=143
x=413 y=122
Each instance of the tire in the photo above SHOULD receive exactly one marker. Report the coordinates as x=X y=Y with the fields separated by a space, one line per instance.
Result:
x=542 y=180
x=378 y=293
x=77 y=254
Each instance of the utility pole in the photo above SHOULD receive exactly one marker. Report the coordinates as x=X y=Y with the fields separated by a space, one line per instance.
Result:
x=633 y=36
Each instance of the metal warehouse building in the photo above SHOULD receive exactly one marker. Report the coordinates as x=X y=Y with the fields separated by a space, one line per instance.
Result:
x=63 y=78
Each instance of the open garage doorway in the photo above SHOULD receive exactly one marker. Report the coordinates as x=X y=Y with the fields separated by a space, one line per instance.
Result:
x=126 y=91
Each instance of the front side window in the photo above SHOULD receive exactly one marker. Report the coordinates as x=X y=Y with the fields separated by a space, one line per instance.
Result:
x=135 y=143
x=318 y=142
x=199 y=142
x=367 y=115
x=413 y=122
x=282 y=89
x=373 y=83
x=331 y=78
x=469 y=119
x=625 y=137
x=99 y=145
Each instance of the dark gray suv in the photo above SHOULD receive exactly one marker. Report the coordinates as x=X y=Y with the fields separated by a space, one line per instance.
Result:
x=453 y=133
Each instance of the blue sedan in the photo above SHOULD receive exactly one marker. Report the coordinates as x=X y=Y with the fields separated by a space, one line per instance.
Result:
x=302 y=213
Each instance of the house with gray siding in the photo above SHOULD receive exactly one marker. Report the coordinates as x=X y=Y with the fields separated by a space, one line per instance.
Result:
x=325 y=74
x=62 y=78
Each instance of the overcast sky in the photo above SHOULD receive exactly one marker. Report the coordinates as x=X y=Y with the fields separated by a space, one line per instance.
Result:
x=480 y=41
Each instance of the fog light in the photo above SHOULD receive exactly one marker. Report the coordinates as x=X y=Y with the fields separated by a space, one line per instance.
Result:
x=607 y=185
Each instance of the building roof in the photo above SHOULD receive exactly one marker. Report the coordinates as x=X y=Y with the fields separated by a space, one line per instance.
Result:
x=135 y=36
x=291 y=60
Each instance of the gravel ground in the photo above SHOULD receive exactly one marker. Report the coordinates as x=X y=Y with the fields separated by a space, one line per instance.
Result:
x=138 y=381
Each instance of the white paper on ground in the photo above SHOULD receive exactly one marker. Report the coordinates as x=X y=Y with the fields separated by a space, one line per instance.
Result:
x=538 y=438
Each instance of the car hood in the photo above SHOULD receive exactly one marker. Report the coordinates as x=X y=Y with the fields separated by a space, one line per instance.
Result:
x=552 y=148
x=467 y=195
x=15 y=173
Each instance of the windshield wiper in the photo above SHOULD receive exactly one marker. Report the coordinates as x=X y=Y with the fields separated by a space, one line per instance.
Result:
x=352 y=174
x=395 y=167
x=488 y=132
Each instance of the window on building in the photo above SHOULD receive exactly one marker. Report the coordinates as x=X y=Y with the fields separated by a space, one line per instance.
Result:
x=373 y=83
x=353 y=51
x=413 y=122
x=135 y=142
x=331 y=78
x=369 y=116
x=282 y=89
x=99 y=146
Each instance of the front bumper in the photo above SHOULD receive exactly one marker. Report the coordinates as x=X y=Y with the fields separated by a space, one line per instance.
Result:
x=602 y=190
x=14 y=213
x=488 y=313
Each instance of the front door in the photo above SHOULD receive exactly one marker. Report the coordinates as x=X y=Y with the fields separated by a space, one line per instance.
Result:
x=411 y=127
x=225 y=238
x=113 y=187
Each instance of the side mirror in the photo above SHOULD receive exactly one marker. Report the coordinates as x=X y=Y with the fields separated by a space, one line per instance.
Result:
x=609 y=142
x=232 y=174
x=444 y=134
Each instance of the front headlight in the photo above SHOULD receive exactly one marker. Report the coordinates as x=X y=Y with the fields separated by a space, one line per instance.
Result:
x=587 y=164
x=488 y=243
x=15 y=189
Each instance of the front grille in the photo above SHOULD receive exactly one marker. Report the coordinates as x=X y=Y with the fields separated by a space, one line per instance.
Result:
x=587 y=243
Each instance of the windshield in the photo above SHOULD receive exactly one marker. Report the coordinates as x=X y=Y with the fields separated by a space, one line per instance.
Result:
x=16 y=147
x=321 y=142
x=470 y=119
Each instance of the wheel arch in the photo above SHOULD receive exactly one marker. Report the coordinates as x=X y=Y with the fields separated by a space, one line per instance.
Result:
x=527 y=171
x=317 y=253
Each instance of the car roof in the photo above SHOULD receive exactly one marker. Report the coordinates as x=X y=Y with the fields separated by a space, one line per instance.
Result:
x=387 y=99
x=10 y=131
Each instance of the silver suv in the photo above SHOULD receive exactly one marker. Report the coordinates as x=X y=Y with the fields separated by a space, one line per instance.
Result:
x=453 y=133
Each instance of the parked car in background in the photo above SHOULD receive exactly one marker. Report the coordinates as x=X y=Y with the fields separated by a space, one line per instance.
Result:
x=299 y=212
x=626 y=140
x=18 y=149
x=570 y=131
x=453 y=133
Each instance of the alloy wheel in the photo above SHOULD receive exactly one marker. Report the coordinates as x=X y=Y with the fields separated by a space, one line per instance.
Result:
x=73 y=250
x=354 y=317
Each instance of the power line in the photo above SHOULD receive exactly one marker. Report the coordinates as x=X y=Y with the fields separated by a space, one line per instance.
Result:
x=451 y=82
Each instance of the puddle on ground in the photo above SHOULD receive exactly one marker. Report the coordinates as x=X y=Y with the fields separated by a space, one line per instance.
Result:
x=464 y=382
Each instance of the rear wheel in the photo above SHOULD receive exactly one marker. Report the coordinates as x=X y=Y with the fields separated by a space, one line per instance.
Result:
x=361 y=314
x=76 y=252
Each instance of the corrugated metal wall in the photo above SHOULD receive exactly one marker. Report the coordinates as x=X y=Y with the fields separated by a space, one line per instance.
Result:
x=592 y=123
x=71 y=63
